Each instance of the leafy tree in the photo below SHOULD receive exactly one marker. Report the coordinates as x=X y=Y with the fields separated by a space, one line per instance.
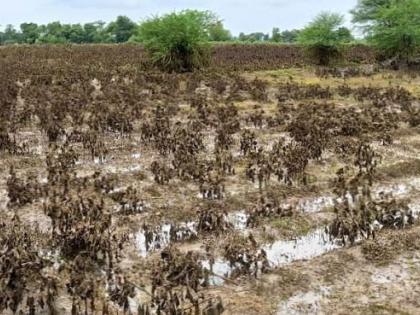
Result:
x=96 y=33
x=344 y=35
x=30 y=32
x=11 y=36
x=396 y=29
x=52 y=33
x=178 y=41
x=290 y=36
x=276 y=35
x=323 y=36
x=218 y=33
x=366 y=11
x=122 y=29
x=254 y=37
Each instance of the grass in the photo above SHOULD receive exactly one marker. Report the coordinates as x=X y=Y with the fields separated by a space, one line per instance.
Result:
x=379 y=309
x=292 y=226
x=402 y=169
x=307 y=75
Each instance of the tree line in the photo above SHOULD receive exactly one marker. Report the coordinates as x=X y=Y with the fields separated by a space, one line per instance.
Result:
x=123 y=30
x=179 y=41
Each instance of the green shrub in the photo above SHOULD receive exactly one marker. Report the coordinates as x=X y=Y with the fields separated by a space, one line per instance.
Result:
x=178 y=41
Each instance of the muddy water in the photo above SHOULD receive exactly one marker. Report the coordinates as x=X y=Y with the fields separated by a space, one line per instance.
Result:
x=312 y=245
x=281 y=253
x=239 y=219
x=162 y=238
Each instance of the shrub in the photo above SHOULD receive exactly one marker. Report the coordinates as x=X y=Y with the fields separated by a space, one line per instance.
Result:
x=178 y=41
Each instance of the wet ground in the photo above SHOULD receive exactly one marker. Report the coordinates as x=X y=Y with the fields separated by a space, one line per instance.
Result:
x=310 y=272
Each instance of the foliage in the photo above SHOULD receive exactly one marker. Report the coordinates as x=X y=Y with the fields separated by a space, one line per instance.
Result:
x=122 y=29
x=254 y=37
x=178 y=41
x=396 y=29
x=30 y=32
x=323 y=35
x=276 y=35
x=290 y=36
x=366 y=11
x=218 y=33
x=57 y=33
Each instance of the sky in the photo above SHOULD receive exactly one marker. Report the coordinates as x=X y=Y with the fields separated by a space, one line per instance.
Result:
x=238 y=15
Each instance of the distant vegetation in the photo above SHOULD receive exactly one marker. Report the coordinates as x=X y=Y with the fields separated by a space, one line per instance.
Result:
x=391 y=26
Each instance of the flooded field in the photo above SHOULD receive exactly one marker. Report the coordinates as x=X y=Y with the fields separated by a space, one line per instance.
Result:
x=235 y=193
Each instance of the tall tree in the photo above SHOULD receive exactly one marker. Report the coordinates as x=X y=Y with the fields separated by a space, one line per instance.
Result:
x=218 y=33
x=323 y=35
x=396 y=29
x=10 y=35
x=30 y=32
x=53 y=33
x=290 y=36
x=96 y=33
x=254 y=37
x=122 y=29
x=276 y=35
x=366 y=11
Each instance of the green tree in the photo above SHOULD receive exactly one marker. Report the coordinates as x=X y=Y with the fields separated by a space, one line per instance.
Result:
x=122 y=29
x=30 y=32
x=11 y=36
x=218 y=33
x=344 y=35
x=396 y=29
x=276 y=35
x=254 y=37
x=178 y=41
x=96 y=33
x=322 y=37
x=366 y=11
x=290 y=36
x=52 y=33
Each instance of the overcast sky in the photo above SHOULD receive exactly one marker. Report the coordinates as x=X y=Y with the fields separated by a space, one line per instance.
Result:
x=238 y=15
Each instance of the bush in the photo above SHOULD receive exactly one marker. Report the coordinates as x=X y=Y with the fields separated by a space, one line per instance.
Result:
x=178 y=41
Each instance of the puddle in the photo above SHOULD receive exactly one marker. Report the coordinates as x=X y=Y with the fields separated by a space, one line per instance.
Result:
x=111 y=169
x=305 y=247
x=160 y=237
x=280 y=253
x=317 y=204
x=238 y=220
x=219 y=267
x=156 y=239
x=284 y=252
x=99 y=160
